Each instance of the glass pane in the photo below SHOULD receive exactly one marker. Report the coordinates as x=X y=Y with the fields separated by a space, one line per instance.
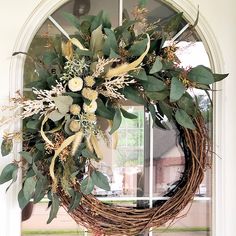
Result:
x=168 y=161
x=196 y=223
x=48 y=35
x=125 y=165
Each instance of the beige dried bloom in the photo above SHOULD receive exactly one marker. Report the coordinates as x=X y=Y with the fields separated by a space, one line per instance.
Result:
x=75 y=84
x=75 y=109
x=90 y=94
x=89 y=81
x=91 y=108
x=74 y=126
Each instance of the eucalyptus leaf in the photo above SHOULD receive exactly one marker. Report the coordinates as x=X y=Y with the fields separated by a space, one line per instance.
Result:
x=177 y=89
x=184 y=119
x=55 y=115
x=156 y=67
x=219 y=77
x=110 y=42
x=103 y=111
x=166 y=109
x=72 y=19
x=128 y=115
x=138 y=48
x=173 y=23
x=116 y=121
x=81 y=52
x=158 y=96
x=54 y=208
x=134 y=95
x=29 y=187
x=201 y=74
x=186 y=103
x=50 y=58
x=63 y=103
x=22 y=200
x=27 y=156
x=97 y=22
x=97 y=41
x=87 y=154
x=33 y=124
x=39 y=190
x=113 y=54
x=87 y=185
x=153 y=84
x=14 y=178
x=7 y=172
x=100 y=180
x=139 y=74
x=75 y=201
x=6 y=147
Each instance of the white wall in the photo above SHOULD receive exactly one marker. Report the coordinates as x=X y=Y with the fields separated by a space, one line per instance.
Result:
x=220 y=17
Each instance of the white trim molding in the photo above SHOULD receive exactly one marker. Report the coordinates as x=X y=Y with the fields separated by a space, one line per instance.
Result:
x=47 y=7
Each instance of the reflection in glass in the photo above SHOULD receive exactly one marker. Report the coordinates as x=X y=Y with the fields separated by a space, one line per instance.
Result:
x=125 y=164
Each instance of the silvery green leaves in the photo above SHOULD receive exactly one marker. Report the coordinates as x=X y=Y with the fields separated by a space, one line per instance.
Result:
x=9 y=172
x=62 y=104
x=177 y=89
x=54 y=207
x=95 y=179
x=6 y=146
x=184 y=119
x=201 y=74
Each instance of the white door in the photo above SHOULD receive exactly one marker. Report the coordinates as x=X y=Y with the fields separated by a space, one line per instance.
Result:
x=19 y=21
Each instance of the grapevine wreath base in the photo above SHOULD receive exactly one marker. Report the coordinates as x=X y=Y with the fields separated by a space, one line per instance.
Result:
x=107 y=219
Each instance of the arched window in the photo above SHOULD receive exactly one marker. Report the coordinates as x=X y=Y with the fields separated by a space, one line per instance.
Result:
x=148 y=161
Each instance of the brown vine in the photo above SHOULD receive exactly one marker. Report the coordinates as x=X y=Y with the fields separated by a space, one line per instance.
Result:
x=106 y=219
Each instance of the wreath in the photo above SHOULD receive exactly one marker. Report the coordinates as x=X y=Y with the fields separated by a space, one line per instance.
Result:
x=97 y=70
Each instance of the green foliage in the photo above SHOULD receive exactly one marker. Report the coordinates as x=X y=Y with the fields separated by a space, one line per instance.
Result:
x=8 y=172
x=97 y=42
x=87 y=185
x=116 y=121
x=27 y=156
x=40 y=189
x=138 y=48
x=75 y=201
x=219 y=77
x=54 y=208
x=128 y=115
x=133 y=95
x=184 y=119
x=29 y=187
x=110 y=43
x=153 y=84
x=177 y=89
x=100 y=180
x=156 y=67
x=6 y=147
x=103 y=111
x=22 y=200
x=158 y=96
x=173 y=23
x=63 y=103
x=140 y=74
x=201 y=74
x=72 y=19
x=186 y=103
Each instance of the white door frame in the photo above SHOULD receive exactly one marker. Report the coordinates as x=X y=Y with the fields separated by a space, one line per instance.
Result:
x=47 y=7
